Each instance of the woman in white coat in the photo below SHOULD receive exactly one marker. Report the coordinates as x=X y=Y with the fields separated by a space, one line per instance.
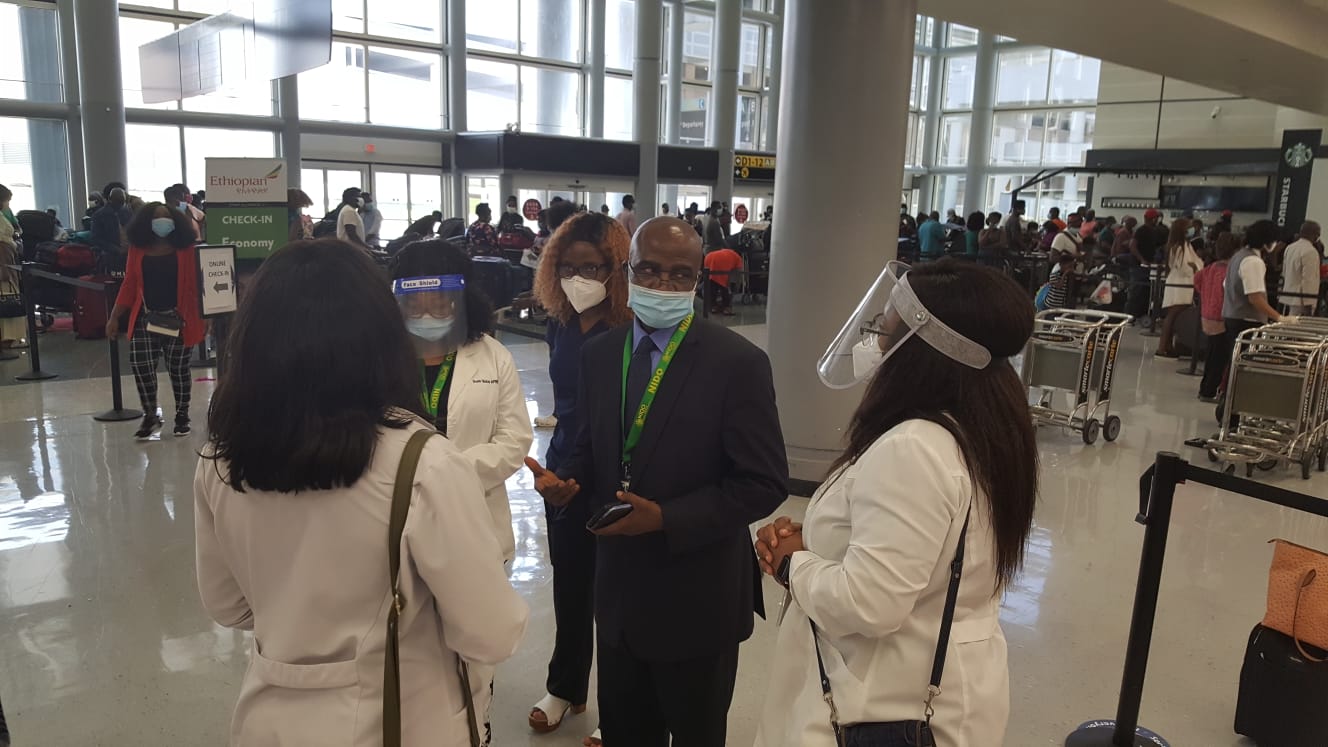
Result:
x=1182 y=265
x=928 y=470
x=469 y=383
x=292 y=500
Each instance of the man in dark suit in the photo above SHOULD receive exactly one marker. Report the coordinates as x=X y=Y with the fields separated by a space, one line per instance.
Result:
x=679 y=422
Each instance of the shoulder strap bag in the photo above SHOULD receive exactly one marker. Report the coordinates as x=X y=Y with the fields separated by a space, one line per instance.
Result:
x=401 y=494
x=901 y=733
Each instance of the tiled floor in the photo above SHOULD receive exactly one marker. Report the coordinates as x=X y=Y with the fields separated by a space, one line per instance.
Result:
x=103 y=641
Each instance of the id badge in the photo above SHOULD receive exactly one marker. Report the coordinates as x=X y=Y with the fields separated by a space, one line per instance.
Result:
x=626 y=481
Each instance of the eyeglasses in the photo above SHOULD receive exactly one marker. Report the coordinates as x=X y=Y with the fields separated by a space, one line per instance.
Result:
x=428 y=304
x=587 y=271
x=875 y=329
x=652 y=276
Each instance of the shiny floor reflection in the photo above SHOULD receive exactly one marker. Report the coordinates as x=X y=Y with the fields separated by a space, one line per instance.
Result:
x=103 y=641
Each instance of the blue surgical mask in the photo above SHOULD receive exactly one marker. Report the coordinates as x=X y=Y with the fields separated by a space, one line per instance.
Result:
x=660 y=309
x=430 y=328
x=184 y=207
x=163 y=226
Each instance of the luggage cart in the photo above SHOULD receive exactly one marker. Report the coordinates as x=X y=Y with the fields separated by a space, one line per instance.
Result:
x=1277 y=394
x=1073 y=352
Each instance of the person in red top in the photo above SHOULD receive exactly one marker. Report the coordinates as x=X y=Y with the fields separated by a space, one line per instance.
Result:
x=160 y=295
x=1209 y=282
x=720 y=263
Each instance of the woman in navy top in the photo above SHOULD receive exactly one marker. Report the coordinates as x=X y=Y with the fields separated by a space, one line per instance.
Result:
x=581 y=283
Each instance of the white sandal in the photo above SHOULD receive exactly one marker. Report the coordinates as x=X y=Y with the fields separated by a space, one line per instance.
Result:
x=548 y=706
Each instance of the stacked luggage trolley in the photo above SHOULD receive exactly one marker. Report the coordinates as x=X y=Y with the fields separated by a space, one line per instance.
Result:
x=1276 y=405
x=1073 y=352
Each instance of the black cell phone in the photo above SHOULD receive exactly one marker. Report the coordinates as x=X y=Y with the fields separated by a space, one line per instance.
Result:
x=608 y=514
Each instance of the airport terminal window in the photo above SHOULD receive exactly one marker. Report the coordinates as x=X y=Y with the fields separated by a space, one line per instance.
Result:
x=1074 y=78
x=952 y=143
x=336 y=91
x=348 y=15
x=917 y=91
x=155 y=159
x=34 y=164
x=311 y=182
x=959 y=74
x=405 y=88
x=550 y=101
x=1021 y=76
x=950 y=192
x=551 y=29
x=31 y=77
x=917 y=127
x=1016 y=138
x=491 y=94
x=924 y=31
x=134 y=33
x=960 y=36
x=697 y=31
x=620 y=34
x=618 y=108
x=1069 y=136
x=748 y=113
x=749 y=56
x=769 y=57
x=492 y=25
x=203 y=143
x=407 y=21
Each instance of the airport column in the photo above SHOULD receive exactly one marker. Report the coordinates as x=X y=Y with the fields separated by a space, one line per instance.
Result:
x=595 y=79
x=645 y=95
x=673 y=96
x=724 y=98
x=456 y=96
x=97 y=28
x=776 y=71
x=288 y=103
x=979 y=134
x=847 y=65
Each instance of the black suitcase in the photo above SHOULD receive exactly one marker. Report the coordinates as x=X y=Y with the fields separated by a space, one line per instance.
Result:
x=1282 y=695
x=494 y=276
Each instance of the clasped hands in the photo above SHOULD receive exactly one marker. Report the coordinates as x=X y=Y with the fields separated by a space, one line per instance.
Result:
x=776 y=541
x=645 y=517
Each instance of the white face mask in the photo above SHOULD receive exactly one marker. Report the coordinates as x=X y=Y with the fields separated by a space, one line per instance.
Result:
x=583 y=293
x=867 y=357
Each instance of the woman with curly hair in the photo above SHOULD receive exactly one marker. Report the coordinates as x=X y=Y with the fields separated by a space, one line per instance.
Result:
x=582 y=285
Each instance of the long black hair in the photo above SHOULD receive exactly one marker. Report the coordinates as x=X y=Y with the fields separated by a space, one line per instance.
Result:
x=440 y=257
x=140 y=231
x=985 y=410
x=318 y=360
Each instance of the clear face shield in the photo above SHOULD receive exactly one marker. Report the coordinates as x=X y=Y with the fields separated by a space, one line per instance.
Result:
x=434 y=309
x=888 y=315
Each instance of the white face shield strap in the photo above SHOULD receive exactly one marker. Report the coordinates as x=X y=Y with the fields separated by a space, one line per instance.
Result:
x=888 y=315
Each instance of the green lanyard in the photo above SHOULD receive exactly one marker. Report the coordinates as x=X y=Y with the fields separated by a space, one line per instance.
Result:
x=431 y=398
x=639 y=422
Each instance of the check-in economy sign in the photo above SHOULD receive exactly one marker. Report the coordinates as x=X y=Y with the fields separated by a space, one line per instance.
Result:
x=247 y=205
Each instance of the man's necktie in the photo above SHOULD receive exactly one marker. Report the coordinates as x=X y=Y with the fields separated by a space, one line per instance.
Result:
x=638 y=378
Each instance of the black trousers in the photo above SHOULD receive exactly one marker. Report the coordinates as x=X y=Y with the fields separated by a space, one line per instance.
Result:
x=1219 y=355
x=721 y=296
x=642 y=703
x=145 y=350
x=572 y=554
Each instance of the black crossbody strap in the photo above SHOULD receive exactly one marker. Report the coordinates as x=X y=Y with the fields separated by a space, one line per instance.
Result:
x=942 y=643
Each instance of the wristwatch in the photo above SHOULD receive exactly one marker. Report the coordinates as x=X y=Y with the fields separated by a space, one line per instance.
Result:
x=782 y=573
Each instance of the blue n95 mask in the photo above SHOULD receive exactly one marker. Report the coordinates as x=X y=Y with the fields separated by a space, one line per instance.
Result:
x=163 y=226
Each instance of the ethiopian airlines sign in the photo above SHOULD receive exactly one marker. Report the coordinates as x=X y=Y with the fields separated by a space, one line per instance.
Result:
x=246 y=180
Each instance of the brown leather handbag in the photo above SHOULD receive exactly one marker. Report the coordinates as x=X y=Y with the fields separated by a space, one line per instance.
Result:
x=1298 y=595
x=401 y=494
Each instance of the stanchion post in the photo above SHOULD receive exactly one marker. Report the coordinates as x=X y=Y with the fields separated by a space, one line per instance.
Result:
x=117 y=413
x=35 y=372
x=1169 y=471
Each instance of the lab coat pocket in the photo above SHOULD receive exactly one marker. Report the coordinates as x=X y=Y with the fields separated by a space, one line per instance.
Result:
x=298 y=704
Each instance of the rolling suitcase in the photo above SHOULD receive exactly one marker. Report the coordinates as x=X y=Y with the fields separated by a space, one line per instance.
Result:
x=1282 y=695
x=90 y=310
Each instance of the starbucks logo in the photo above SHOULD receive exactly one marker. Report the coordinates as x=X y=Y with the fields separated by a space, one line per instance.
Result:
x=1299 y=155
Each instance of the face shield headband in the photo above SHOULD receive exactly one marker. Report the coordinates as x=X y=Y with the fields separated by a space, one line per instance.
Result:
x=888 y=315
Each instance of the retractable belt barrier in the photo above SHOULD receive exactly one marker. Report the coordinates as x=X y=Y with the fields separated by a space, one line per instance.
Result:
x=35 y=373
x=1168 y=471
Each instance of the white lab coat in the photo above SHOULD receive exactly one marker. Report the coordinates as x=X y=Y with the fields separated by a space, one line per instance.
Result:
x=488 y=421
x=1182 y=268
x=880 y=540
x=1300 y=275
x=307 y=572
